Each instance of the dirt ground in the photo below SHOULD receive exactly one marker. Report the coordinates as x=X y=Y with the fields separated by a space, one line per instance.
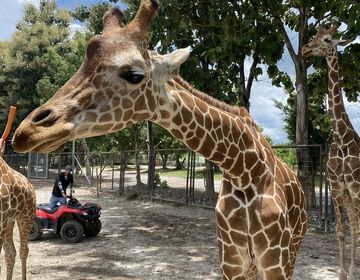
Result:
x=151 y=241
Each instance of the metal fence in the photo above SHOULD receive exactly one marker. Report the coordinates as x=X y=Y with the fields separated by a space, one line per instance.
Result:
x=179 y=175
x=321 y=211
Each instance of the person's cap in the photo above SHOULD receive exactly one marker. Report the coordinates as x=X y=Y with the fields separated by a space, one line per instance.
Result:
x=68 y=167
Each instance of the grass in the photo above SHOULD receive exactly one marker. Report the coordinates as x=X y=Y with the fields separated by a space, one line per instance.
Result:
x=182 y=173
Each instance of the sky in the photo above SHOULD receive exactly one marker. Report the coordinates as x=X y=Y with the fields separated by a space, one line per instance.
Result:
x=263 y=93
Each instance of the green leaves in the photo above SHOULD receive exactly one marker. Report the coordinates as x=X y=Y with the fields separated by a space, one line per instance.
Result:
x=91 y=16
x=233 y=42
x=38 y=59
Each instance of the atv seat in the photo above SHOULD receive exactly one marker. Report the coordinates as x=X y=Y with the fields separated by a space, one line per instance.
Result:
x=46 y=207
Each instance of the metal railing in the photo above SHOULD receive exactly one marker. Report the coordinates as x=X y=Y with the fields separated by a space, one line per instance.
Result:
x=179 y=175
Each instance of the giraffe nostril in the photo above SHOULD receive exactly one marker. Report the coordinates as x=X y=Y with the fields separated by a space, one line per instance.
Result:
x=41 y=116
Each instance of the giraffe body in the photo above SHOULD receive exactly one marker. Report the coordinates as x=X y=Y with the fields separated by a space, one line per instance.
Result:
x=343 y=166
x=18 y=202
x=260 y=211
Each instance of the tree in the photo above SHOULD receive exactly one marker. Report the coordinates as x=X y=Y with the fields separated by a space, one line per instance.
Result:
x=302 y=17
x=92 y=16
x=167 y=145
x=23 y=58
x=62 y=61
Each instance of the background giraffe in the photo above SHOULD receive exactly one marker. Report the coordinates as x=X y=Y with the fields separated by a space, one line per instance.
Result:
x=260 y=212
x=18 y=202
x=343 y=165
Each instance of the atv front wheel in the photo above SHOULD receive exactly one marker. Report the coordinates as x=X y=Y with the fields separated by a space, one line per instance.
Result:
x=35 y=233
x=72 y=231
x=93 y=228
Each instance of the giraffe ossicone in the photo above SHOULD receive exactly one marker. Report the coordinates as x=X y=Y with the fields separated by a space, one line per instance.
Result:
x=343 y=166
x=261 y=220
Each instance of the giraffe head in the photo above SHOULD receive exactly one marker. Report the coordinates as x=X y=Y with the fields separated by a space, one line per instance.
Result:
x=323 y=44
x=118 y=84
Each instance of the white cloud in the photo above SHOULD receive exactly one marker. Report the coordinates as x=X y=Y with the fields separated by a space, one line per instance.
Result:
x=353 y=111
x=264 y=112
x=262 y=106
x=74 y=27
x=10 y=14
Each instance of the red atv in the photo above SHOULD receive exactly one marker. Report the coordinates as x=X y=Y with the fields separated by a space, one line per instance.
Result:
x=71 y=220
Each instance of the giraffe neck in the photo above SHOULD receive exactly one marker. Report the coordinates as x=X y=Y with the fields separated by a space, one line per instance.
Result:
x=342 y=128
x=222 y=134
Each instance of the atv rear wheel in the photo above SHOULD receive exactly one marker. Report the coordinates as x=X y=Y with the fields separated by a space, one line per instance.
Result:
x=72 y=231
x=93 y=229
x=35 y=233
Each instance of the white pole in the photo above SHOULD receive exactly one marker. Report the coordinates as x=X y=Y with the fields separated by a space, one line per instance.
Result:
x=73 y=155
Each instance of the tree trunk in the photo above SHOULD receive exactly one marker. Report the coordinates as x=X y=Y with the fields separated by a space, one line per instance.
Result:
x=87 y=156
x=151 y=156
x=209 y=174
x=179 y=163
x=164 y=159
x=137 y=162
x=302 y=138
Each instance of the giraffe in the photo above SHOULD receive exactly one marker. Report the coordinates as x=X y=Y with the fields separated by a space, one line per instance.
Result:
x=343 y=166
x=260 y=213
x=18 y=201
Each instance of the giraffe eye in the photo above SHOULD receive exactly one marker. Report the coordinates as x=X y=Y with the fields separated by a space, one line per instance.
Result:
x=133 y=77
x=327 y=40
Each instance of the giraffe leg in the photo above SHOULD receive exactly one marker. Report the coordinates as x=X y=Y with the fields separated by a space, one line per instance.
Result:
x=296 y=240
x=235 y=261
x=2 y=233
x=337 y=197
x=353 y=205
x=280 y=272
x=24 y=226
x=9 y=249
x=240 y=269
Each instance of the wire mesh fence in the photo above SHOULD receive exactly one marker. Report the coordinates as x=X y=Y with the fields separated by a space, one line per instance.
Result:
x=179 y=175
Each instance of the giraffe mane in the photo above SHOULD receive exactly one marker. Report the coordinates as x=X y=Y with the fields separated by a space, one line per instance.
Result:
x=239 y=111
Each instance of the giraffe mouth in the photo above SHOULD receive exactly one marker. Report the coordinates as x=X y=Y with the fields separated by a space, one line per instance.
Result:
x=48 y=147
x=28 y=138
x=306 y=52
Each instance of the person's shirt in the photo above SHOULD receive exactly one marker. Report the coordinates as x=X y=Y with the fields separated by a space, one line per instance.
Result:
x=61 y=184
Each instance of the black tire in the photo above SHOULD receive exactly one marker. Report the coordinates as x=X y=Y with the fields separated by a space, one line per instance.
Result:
x=93 y=229
x=35 y=233
x=72 y=231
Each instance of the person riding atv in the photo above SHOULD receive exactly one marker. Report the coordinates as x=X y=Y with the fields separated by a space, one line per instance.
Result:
x=72 y=220
x=63 y=180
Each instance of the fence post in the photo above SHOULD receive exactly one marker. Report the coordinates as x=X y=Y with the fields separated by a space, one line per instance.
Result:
x=187 y=180
x=122 y=172
x=151 y=157
x=326 y=218
x=112 y=171
x=97 y=183
x=321 y=186
x=100 y=174
x=59 y=163
x=190 y=179
x=151 y=172
x=192 y=189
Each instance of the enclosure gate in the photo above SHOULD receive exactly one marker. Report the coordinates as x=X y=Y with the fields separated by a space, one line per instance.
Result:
x=179 y=175
x=38 y=165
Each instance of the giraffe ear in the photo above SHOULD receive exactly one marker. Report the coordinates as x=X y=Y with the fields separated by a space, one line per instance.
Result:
x=166 y=65
x=343 y=42
x=176 y=58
